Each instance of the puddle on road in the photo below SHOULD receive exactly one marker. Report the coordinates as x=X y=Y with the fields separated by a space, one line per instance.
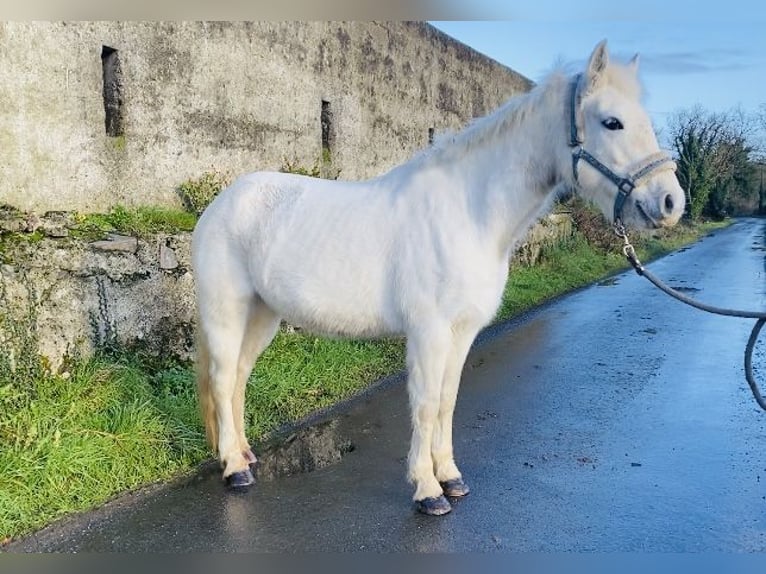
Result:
x=685 y=289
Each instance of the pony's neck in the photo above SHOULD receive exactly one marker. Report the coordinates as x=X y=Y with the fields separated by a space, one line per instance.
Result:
x=510 y=163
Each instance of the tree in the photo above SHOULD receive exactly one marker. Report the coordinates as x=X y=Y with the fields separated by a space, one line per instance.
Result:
x=713 y=158
x=760 y=163
x=733 y=188
x=760 y=172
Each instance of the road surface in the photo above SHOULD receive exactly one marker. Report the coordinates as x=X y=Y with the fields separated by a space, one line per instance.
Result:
x=613 y=419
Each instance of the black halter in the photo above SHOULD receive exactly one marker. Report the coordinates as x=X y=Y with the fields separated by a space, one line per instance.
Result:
x=625 y=184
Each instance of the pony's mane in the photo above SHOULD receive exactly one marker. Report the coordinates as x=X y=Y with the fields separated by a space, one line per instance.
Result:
x=488 y=129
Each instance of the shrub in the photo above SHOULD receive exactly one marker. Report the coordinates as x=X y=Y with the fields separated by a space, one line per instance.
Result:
x=197 y=194
x=322 y=170
x=592 y=225
x=293 y=167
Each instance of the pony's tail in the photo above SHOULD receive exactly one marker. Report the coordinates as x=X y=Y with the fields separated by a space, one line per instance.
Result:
x=204 y=392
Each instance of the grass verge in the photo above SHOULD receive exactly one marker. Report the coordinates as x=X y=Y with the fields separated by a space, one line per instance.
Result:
x=71 y=441
x=582 y=260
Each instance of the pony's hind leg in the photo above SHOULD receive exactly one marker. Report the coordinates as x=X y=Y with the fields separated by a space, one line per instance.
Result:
x=427 y=352
x=223 y=330
x=445 y=469
x=261 y=327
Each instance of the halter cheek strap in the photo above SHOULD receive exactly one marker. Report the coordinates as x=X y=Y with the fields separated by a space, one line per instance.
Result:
x=625 y=184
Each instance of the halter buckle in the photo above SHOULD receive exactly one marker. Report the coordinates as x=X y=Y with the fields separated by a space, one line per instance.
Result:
x=626 y=186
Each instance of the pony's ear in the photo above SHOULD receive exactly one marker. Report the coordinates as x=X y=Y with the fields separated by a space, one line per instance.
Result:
x=596 y=65
x=633 y=64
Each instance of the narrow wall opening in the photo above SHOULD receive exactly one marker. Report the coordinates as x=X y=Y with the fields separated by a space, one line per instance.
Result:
x=430 y=136
x=113 y=109
x=328 y=131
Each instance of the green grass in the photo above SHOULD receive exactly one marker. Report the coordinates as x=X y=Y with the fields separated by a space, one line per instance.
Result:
x=71 y=442
x=561 y=269
x=68 y=443
x=138 y=221
x=299 y=374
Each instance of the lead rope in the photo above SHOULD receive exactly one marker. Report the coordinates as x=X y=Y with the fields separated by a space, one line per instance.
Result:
x=630 y=254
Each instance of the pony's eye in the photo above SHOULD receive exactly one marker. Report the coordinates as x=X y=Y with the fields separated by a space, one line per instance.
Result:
x=612 y=124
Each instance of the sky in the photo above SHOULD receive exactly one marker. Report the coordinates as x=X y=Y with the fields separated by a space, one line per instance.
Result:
x=713 y=55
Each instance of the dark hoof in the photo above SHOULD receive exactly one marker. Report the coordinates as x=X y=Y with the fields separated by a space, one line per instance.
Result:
x=455 y=487
x=249 y=457
x=434 y=506
x=241 y=479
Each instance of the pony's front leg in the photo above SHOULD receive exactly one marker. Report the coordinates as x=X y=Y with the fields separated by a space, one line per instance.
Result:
x=426 y=358
x=445 y=469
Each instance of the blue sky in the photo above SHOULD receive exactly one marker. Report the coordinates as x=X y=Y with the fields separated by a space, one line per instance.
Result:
x=690 y=52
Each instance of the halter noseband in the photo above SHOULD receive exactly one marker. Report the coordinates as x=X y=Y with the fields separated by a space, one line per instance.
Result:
x=625 y=184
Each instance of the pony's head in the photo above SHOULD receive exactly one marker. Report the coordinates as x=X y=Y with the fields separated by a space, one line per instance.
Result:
x=616 y=160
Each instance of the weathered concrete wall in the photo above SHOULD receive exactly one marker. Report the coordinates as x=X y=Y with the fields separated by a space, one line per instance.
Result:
x=234 y=96
x=124 y=291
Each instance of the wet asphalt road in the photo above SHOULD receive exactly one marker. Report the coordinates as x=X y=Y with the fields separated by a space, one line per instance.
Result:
x=614 y=419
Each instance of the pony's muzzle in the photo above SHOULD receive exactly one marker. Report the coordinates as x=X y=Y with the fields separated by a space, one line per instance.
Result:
x=671 y=207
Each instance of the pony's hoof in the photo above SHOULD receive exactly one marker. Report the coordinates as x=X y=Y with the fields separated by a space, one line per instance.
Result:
x=433 y=506
x=455 y=487
x=241 y=479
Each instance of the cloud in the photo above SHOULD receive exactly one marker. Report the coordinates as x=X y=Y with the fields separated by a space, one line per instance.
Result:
x=702 y=62
x=708 y=61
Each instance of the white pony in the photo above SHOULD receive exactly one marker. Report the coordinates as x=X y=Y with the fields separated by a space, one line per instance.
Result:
x=421 y=251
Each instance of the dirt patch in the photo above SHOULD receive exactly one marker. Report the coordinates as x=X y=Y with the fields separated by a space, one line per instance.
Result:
x=303 y=450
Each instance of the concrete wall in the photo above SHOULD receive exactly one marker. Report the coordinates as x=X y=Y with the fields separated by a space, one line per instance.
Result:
x=235 y=97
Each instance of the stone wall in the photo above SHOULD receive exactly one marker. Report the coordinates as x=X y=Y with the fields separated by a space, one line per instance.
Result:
x=120 y=290
x=93 y=114
x=78 y=295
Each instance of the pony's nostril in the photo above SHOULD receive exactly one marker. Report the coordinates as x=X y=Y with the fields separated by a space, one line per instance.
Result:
x=669 y=203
